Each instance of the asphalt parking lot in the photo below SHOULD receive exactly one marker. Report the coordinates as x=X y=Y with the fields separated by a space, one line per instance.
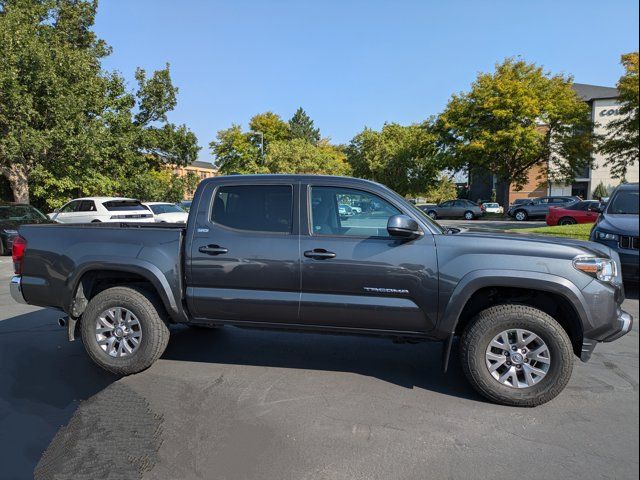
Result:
x=241 y=404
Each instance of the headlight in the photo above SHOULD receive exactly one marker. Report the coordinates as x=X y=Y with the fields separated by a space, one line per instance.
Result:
x=604 y=269
x=606 y=236
x=10 y=232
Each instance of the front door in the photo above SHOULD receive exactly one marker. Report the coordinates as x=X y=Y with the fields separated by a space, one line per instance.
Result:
x=354 y=275
x=244 y=263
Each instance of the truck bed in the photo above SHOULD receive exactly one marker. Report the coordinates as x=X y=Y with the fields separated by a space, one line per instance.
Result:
x=59 y=254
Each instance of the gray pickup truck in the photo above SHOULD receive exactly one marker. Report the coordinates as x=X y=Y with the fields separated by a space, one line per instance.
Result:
x=273 y=252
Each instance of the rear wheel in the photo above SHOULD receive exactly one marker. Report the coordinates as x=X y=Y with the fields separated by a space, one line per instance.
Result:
x=567 y=221
x=521 y=215
x=516 y=355
x=468 y=215
x=123 y=330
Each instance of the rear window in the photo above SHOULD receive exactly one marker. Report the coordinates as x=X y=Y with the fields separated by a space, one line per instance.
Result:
x=625 y=202
x=259 y=208
x=124 y=205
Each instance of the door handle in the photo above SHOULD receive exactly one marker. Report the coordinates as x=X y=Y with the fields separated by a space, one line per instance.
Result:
x=213 y=250
x=319 y=254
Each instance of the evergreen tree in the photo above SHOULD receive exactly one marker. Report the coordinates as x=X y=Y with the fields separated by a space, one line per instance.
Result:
x=301 y=127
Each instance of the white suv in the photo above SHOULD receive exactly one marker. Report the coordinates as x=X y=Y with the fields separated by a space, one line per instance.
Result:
x=102 y=209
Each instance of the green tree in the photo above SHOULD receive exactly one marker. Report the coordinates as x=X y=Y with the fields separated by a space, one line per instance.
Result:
x=443 y=189
x=271 y=126
x=301 y=126
x=514 y=119
x=620 y=143
x=600 y=191
x=300 y=156
x=49 y=80
x=235 y=152
x=67 y=127
x=403 y=157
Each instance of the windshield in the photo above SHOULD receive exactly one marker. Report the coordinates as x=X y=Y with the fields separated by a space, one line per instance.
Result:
x=625 y=202
x=20 y=213
x=165 y=208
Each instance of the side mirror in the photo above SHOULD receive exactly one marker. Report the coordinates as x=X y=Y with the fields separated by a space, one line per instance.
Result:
x=403 y=226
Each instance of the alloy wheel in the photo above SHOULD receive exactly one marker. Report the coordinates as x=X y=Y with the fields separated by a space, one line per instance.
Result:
x=518 y=358
x=118 y=332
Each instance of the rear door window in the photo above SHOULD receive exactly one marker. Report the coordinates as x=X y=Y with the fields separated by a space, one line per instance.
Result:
x=258 y=208
x=87 y=206
x=123 y=205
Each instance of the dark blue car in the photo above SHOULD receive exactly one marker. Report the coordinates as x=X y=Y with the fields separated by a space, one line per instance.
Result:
x=617 y=227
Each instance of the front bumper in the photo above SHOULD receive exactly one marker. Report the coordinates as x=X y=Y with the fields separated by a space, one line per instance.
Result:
x=15 y=287
x=622 y=325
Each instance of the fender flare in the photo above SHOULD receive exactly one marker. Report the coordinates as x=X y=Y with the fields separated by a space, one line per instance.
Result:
x=477 y=279
x=140 y=267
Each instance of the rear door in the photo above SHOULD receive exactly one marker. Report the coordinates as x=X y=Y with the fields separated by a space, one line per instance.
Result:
x=243 y=261
x=354 y=275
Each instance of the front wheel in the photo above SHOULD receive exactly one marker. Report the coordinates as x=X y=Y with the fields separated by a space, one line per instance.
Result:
x=123 y=330
x=432 y=214
x=521 y=215
x=468 y=215
x=516 y=355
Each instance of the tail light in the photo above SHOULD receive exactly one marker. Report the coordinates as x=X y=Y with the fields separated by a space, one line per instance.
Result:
x=17 y=252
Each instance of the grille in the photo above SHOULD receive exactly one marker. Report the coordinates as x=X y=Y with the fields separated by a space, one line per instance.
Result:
x=629 y=242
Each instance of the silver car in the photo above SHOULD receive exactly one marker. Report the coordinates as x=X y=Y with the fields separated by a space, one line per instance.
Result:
x=454 y=209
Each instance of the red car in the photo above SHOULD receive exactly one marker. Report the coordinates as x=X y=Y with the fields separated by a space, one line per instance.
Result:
x=575 y=213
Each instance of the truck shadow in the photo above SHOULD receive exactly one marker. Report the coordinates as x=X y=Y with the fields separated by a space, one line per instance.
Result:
x=405 y=365
x=43 y=379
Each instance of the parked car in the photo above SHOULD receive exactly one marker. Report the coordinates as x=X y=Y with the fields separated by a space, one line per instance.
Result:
x=12 y=215
x=345 y=211
x=102 y=209
x=453 y=209
x=578 y=212
x=538 y=207
x=492 y=207
x=256 y=253
x=167 y=212
x=617 y=227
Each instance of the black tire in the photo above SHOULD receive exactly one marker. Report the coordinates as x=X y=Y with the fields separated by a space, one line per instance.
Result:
x=491 y=322
x=468 y=215
x=520 y=215
x=96 y=221
x=567 y=221
x=432 y=214
x=150 y=313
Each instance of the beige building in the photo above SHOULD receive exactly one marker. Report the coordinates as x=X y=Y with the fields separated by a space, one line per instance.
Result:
x=200 y=168
x=604 y=109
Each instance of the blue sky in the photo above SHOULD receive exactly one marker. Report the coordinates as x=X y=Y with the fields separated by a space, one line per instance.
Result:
x=352 y=63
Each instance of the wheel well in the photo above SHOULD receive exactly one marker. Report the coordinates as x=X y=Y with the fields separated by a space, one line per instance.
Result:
x=552 y=304
x=96 y=281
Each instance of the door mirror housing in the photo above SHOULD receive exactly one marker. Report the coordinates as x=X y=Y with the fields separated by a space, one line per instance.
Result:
x=403 y=226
